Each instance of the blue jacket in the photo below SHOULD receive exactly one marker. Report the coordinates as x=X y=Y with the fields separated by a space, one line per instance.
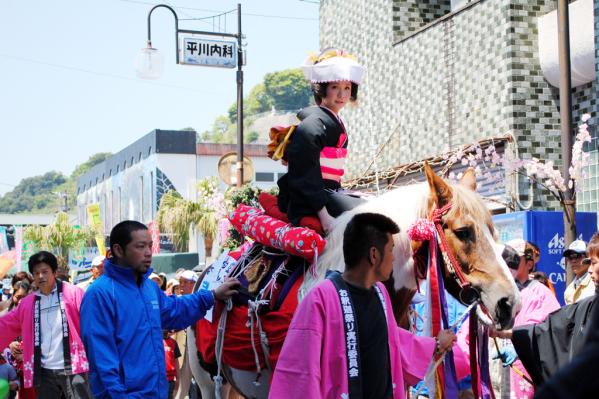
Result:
x=121 y=327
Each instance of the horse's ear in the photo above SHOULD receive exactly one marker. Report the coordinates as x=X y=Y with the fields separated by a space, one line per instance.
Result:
x=468 y=180
x=440 y=191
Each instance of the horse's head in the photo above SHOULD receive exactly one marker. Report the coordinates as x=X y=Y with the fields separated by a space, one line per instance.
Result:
x=470 y=233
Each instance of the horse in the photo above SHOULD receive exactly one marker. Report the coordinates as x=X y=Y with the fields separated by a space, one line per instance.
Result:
x=470 y=236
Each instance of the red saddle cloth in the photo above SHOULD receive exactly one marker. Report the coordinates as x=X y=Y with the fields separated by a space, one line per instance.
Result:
x=271 y=207
x=237 y=347
x=274 y=233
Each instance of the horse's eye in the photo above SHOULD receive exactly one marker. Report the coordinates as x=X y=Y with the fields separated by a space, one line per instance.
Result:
x=464 y=234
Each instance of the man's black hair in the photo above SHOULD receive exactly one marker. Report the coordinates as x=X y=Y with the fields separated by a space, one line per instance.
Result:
x=364 y=231
x=43 y=257
x=121 y=233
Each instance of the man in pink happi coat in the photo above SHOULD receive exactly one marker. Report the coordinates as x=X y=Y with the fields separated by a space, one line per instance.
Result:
x=343 y=341
x=538 y=302
x=54 y=359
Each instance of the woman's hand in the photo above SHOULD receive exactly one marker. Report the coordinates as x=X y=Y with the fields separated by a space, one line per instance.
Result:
x=326 y=219
x=445 y=340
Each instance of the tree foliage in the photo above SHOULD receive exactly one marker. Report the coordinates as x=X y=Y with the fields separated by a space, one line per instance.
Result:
x=288 y=89
x=285 y=90
x=38 y=194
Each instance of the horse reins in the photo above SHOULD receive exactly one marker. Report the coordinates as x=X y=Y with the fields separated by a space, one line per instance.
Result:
x=468 y=294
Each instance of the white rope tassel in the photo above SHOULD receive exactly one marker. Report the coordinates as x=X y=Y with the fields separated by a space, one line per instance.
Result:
x=253 y=307
x=220 y=337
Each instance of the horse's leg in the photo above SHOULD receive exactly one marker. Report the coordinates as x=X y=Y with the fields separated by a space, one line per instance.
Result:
x=400 y=301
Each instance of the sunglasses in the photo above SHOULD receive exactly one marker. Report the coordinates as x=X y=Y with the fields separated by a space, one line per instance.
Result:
x=574 y=256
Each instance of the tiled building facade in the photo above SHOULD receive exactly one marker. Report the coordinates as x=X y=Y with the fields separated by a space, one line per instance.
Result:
x=447 y=75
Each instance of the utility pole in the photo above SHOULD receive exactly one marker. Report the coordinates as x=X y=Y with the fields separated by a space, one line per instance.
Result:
x=565 y=102
x=239 y=101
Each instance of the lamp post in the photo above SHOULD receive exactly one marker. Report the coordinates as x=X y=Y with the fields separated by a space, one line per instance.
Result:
x=565 y=102
x=149 y=65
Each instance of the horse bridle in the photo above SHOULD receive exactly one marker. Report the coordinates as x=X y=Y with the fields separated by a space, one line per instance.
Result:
x=468 y=294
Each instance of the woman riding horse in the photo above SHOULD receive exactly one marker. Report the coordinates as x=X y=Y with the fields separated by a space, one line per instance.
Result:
x=318 y=148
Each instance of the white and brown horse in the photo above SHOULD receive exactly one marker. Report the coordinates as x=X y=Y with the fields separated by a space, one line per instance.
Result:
x=470 y=236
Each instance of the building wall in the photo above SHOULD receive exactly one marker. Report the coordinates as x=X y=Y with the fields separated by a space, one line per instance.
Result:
x=474 y=74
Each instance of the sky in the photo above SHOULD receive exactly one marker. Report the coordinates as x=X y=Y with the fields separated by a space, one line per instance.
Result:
x=68 y=87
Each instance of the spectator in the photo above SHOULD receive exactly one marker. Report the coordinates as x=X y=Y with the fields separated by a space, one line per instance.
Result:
x=173 y=287
x=96 y=269
x=187 y=280
x=582 y=286
x=8 y=373
x=544 y=279
x=54 y=362
x=20 y=276
x=537 y=302
x=164 y=279
x=21 y=290
x=156 y=278
x=123 y=335
x=171 y=354
x=547 y=346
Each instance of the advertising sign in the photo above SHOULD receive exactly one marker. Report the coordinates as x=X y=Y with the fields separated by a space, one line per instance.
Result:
x=95 y=219
x=546 y=230
x=203 y=51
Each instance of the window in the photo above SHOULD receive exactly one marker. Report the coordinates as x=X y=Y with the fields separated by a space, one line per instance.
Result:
x=152 y=205
x=265 y=176
x=141 y=198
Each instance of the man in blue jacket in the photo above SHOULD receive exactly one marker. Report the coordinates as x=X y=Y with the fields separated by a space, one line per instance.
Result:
x=123 y=314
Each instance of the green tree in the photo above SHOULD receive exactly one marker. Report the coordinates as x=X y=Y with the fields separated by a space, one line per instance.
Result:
x=288 y=89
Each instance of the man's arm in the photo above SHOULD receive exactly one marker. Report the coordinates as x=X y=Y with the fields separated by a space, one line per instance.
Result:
x=179 y=312
x=97 y=332
x=10 y=327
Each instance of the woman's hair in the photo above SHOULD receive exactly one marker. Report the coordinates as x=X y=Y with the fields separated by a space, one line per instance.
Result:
x=20 y=276
x=593 y=247
x=319 y=90
x=541 y=277
x=23 y=284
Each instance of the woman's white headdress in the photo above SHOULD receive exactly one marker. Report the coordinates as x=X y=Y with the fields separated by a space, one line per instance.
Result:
x=333 y=65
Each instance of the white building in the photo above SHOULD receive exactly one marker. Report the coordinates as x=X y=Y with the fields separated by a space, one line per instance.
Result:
x=130 y=184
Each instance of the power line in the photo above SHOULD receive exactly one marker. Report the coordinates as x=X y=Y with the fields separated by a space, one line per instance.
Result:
x=103 y=74
x=224 y=12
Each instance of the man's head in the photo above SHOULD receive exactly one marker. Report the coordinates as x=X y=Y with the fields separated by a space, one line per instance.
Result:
x=43 y=266
x=187 y=280
x=368 y=240
x=593 y=260
x=97 y=267
x=131 y=245
x=574 y=255
x=519 y=255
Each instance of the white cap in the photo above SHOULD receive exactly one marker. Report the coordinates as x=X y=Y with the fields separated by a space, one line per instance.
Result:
x=336 y=66
x=98 y=260
x=189 y=275
x=577 y=246
x=172 y=282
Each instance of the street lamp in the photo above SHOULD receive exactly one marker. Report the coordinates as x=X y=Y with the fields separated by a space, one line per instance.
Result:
x=149 y=63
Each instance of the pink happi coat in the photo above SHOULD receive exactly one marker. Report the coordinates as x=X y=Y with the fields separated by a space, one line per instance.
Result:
x=537 y=302
x=19 y=322
x=313 y=362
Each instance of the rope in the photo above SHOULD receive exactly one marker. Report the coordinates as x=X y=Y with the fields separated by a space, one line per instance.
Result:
x=253 y=307
x=220 y=336
x=430 y=371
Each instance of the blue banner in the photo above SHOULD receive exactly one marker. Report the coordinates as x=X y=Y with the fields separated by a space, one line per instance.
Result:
x=546 y=230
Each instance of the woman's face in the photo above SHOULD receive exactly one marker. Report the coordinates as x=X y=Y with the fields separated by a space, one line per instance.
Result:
x=338 y=94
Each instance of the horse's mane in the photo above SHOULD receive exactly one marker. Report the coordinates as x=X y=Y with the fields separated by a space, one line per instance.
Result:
x=404 y=205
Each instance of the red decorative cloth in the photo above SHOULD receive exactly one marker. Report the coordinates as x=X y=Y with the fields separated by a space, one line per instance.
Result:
x=296 y=241
x=421 y=230
x=270 y=205
x=237 y=346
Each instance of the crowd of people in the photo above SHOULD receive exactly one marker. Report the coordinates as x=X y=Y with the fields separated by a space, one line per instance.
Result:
x=102 y=338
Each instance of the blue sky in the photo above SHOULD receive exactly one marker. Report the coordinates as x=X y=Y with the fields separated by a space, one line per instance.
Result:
x=67 y=81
